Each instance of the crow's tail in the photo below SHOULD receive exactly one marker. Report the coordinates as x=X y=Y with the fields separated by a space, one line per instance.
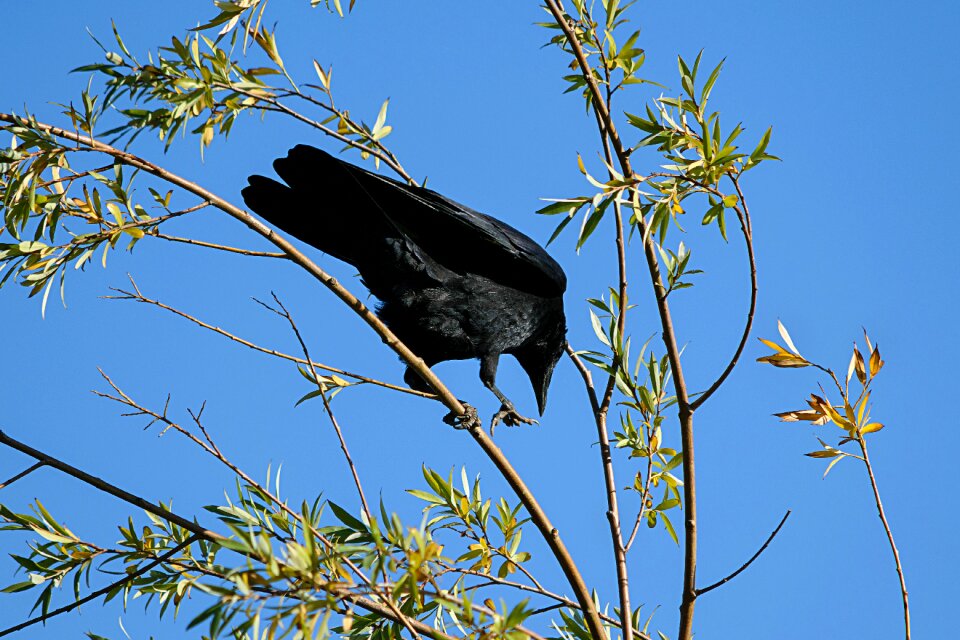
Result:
x=326 y=203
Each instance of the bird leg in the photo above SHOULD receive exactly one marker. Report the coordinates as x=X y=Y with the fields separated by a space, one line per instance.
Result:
x=507 y=413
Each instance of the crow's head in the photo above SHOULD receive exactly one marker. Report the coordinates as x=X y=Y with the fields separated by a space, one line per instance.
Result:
x=540 y=355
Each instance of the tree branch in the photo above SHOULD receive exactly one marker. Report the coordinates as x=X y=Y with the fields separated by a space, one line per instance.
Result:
x=219 y=247
x=411 y=359
x=107 y=589
x=733 y=575
x=193 y=527
x=685 y=411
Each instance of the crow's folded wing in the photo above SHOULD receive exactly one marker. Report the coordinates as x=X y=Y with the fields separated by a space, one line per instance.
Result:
x=455 y=236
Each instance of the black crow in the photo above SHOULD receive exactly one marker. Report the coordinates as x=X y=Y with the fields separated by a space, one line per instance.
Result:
x=453 y=283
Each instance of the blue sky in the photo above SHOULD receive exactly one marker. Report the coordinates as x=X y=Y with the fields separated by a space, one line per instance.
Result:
x=855 y=227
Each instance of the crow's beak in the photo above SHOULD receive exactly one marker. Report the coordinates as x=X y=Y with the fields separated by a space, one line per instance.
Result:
x=540 y=387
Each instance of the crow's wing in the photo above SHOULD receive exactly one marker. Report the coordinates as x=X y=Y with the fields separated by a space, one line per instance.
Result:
x=454 y=236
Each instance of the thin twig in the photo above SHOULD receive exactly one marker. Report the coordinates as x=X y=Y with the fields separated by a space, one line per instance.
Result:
x=606 y=457
x=329 y=411
x=587 y=378
x=22 y=474
x=733 y=575
x=137 y=296
x=105 y=590
x=215 y=452
x=643 y=496
x=746 y=228
x=219 y=247
x=889 y=532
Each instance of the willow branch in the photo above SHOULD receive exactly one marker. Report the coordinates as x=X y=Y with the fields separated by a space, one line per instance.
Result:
x=295 y=255
x=562 y=601
x=380 y=609
x=685 y=411
x=212 y=449
x=603 y=437
x=546 y=528
x=126 y=579
x=746 y=564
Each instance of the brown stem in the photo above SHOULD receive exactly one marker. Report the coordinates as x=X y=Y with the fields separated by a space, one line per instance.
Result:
x=643 y=497
x=746 y=564
x=105 y=590
x=561 y=600
x=546 y=528
x=889 y=532
x=606 y=459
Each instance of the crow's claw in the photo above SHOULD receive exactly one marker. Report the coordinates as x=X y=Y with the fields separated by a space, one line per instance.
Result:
x=510 y=417
x=469 y=420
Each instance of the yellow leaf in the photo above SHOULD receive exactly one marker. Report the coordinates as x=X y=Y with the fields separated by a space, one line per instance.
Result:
x=859 y=365
x=870 y=428
x=826 y=453
x=794 y=416
x=862 y=407
x=784 y=360
x=875 y=362
x=773 y=345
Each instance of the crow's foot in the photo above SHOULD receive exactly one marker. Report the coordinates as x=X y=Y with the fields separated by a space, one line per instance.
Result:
x=469 y=420
x=510 y=417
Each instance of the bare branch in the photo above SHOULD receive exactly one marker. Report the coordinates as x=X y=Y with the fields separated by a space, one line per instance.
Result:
x=137 y=296
x=746 y=564
x=219 y=247
x=746 y=229
x=887 y=530
x=22 y=474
